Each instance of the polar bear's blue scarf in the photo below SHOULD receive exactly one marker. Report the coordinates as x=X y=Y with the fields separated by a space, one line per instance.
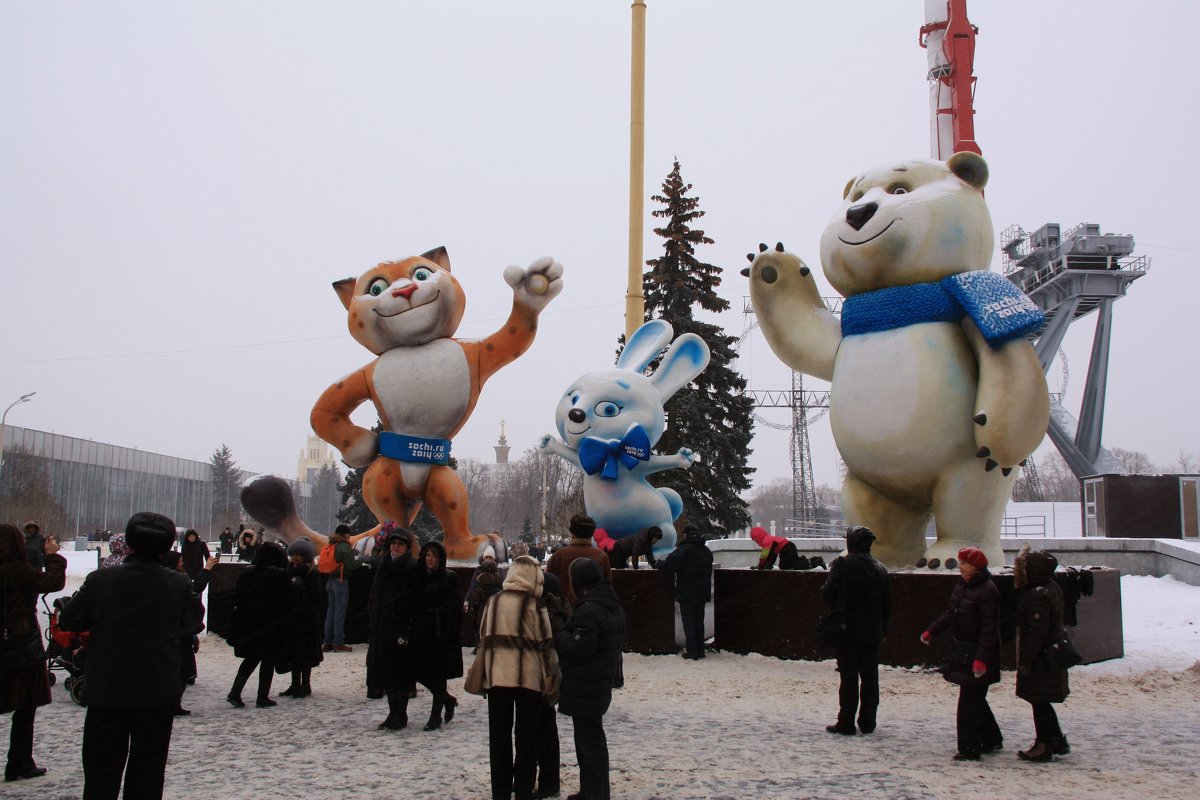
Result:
x=999 y=309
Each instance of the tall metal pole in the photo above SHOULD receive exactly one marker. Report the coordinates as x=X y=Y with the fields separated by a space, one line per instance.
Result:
x=635 y=301
x=4 y=417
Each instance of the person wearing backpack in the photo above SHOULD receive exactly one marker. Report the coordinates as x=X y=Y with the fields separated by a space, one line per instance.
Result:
x=336 y=561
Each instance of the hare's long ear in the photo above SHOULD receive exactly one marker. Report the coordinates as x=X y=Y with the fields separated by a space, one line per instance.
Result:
x=686 y=359
x=645 y=345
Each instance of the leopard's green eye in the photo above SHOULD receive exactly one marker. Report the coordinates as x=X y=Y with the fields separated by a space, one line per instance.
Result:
x=377 y=287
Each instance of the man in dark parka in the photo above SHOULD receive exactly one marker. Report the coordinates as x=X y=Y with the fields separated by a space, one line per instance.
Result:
x=691 y=562
x=859 y=584
x=589 y=649
x=137 y=614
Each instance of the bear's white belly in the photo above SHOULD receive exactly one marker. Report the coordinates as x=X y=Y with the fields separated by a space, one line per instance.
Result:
x=901 y=404
x=424 y=390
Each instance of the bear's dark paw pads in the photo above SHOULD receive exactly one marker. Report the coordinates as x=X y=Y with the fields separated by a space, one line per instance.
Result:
x=980 y=419
x=990 y=465
x=983 y=452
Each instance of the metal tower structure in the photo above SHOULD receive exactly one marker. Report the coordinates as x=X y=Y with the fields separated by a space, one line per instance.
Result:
x=1069 y=276
x=805 y=506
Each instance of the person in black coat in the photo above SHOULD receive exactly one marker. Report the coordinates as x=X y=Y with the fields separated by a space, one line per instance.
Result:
x=1039 y=622
x=137 y=614
x=195 y=553
x=189 y=644
x=437 y=631
x=691 y=562
x=859 y=585
x=25 y=685
x=391 y=607
x=589 y=649
x=305 y=623
x=973 y=618
x=264 y=599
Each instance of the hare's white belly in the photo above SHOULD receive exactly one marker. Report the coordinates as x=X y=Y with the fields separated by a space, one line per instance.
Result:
x=424 y=390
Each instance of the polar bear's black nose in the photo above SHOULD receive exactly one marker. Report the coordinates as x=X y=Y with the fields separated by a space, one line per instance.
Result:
x=576 y=415
x=858 y=215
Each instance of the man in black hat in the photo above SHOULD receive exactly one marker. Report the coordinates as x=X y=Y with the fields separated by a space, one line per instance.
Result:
x=691 y=562
x=859 y=586
x=137 y=614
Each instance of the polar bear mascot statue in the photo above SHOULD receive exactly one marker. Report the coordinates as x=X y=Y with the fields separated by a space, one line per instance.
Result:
x=936 y=393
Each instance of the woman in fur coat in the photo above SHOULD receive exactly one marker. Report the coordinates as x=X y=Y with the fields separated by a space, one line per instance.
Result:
x=517 y=669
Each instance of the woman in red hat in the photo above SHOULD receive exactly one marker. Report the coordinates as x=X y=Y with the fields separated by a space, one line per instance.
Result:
x=973 y=617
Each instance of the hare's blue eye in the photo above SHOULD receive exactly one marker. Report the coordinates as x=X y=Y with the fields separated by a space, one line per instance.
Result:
x=422 y=274
x=377 y=287
x=607 y=408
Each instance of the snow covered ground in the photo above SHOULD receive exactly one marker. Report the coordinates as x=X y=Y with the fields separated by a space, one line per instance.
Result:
x=726 y=727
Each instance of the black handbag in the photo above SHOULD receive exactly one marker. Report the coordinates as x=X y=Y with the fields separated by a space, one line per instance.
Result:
x=1061 y=653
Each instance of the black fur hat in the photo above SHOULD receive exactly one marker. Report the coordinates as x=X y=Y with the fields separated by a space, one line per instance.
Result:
x=149 y=534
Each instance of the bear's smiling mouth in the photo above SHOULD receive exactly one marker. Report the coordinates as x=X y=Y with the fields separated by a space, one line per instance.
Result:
x=871 y=238
x=410 y=308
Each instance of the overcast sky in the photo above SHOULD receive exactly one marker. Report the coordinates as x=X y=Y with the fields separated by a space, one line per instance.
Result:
x=181 y=182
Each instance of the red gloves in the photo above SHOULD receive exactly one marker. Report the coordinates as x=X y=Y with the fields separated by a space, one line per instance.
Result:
x=979 y=668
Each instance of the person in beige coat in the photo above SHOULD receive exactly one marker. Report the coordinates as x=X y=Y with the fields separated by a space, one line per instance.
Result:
x=516 y=667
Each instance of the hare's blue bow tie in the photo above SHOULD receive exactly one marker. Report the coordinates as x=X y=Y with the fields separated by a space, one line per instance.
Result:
x=596 y=454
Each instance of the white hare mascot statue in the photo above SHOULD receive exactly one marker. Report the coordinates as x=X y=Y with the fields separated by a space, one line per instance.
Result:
x=610 y=419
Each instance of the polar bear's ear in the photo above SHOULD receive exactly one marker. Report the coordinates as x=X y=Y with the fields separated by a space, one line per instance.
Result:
x=969 y=167
x=849 y=185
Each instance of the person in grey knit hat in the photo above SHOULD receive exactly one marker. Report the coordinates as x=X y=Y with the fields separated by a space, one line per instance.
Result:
x=302 y=646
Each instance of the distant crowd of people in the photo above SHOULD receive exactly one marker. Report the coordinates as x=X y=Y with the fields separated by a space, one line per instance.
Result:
x=547 y=637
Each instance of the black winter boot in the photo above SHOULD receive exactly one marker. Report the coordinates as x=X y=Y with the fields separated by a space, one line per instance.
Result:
x=397 y=718
x=451 y=704
x=435 y=713
x=1059 y=745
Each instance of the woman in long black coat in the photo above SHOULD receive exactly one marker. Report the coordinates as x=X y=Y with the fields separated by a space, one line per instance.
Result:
x=26 y=686
x=437 y=632
x=973 y=618
x=1040 y=621
x=305 y=623
x=264 y=599
x=391 y=606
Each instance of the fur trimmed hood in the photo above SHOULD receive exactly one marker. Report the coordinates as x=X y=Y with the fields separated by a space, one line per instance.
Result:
x=1033 y=568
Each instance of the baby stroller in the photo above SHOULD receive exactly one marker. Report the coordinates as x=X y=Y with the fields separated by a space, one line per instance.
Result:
x=66 y=651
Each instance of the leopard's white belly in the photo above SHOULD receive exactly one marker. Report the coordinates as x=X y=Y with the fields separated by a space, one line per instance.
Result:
x=423 y=391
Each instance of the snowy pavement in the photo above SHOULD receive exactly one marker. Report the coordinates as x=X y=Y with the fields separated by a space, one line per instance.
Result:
x=729 y=726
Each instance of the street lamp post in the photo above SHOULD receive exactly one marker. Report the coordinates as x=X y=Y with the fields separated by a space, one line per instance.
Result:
x=25 y=398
